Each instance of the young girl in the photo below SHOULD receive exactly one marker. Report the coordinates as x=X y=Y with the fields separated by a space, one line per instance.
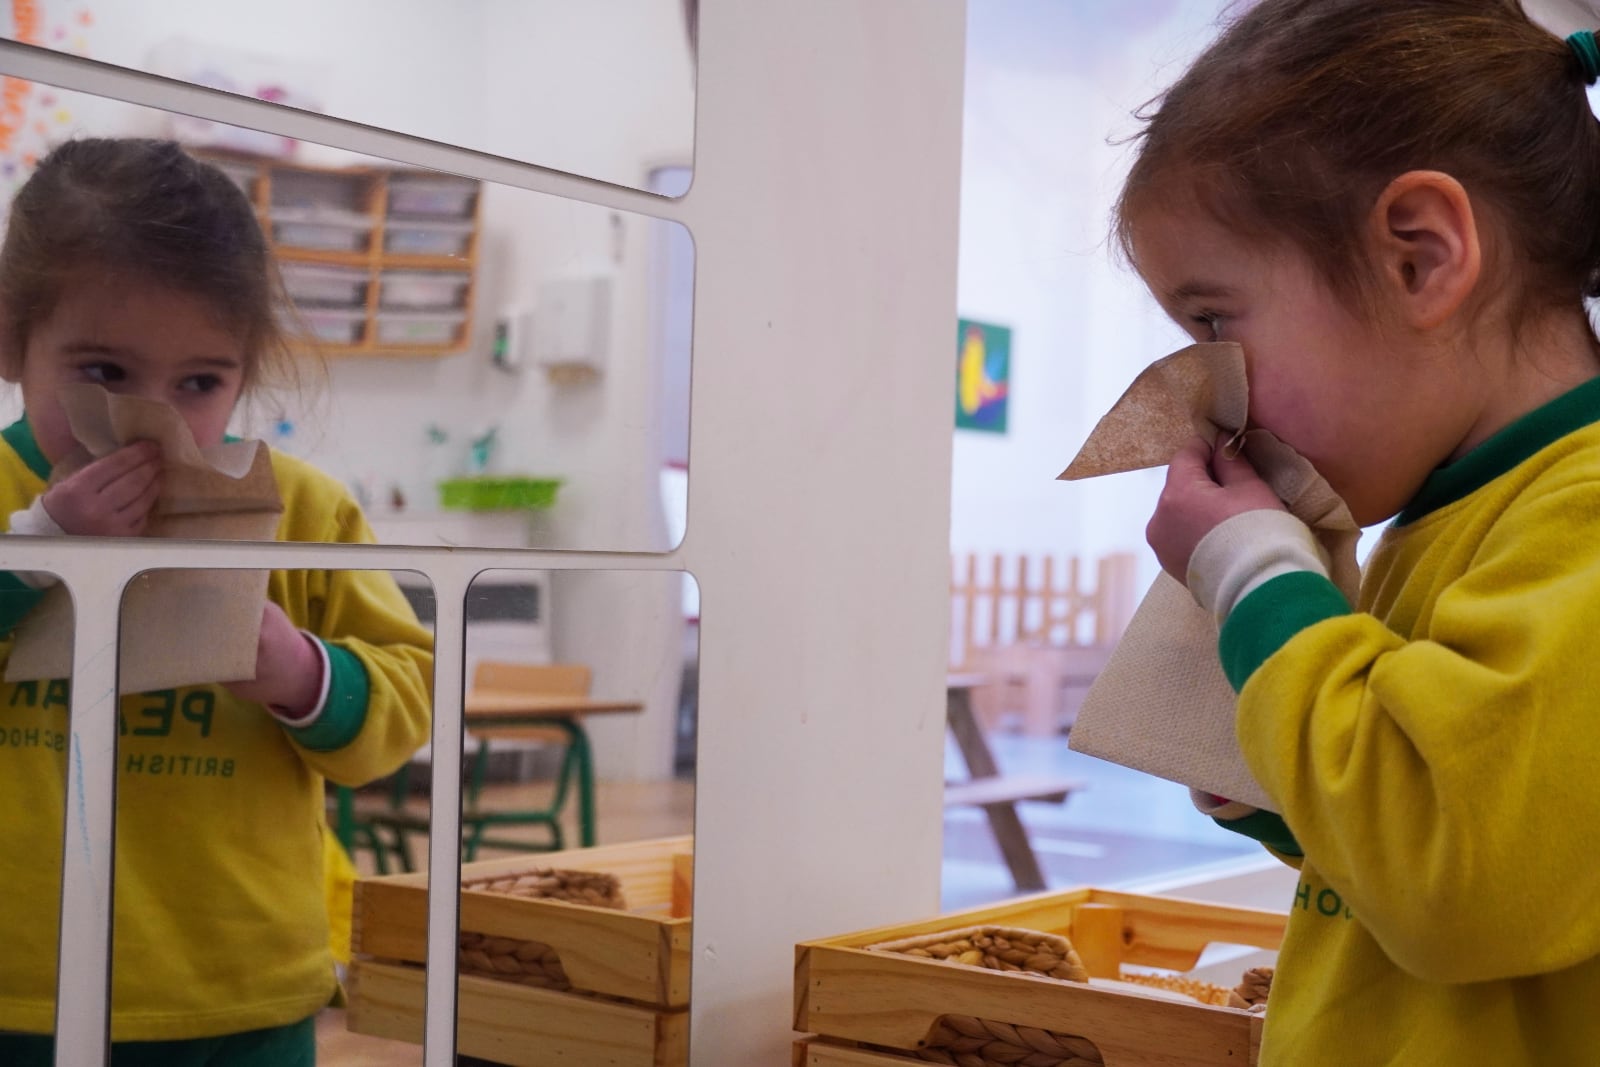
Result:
x=130 y=264
x=1393 y=206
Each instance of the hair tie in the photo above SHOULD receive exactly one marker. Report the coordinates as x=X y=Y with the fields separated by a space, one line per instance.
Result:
x=1584 y=46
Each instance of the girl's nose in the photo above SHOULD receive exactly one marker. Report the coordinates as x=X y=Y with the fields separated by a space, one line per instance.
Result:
x=144 y=390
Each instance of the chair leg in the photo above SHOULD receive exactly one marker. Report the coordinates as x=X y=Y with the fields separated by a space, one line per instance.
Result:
x=471 y=838
x=402 y=850
x=471 y=827
x=575 y=775
x=380 y=851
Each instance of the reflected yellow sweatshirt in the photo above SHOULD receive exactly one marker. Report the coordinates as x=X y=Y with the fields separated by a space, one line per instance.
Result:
x=1433 y=756
x=220 y=923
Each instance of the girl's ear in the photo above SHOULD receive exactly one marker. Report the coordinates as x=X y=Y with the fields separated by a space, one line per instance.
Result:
x=1425 y=245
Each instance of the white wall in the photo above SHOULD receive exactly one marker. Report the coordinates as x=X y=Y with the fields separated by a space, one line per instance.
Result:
x=603 y=88
x=1047 y=84
x=352 y=54
x=576 y=85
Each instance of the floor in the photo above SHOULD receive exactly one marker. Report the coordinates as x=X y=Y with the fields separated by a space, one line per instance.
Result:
x=1123 y=830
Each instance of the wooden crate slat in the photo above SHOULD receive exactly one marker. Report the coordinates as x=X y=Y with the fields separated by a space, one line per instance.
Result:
x=1171 y=932
x=641 y=954
x=520 y=1025
x=1040 y=911
x=615 y=953
x=823 y=1053
x=636 y=863
x=895 y=1001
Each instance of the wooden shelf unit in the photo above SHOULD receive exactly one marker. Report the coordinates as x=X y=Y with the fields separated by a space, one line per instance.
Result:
x=361 y=197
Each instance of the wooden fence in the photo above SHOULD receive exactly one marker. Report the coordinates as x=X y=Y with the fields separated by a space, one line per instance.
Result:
x=1032 y=624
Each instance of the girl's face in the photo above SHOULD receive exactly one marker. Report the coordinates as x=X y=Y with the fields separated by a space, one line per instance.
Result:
x=1370 y=410
x=137 y=338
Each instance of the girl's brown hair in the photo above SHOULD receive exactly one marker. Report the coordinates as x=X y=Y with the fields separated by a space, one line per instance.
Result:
x=143 y=206
x=1292 y=123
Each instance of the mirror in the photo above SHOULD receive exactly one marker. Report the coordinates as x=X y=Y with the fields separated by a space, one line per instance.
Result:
x=614 y=698
x=241 y=804
x=577 y=786
x=33 y=783
x=604 y=91
x=478 y=364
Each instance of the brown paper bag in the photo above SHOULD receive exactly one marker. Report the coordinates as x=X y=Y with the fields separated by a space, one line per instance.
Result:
x=179 y=627
x=1162 y=704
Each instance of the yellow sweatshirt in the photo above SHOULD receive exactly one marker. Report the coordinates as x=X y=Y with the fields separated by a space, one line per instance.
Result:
x=220 y=923
x=1433 y=756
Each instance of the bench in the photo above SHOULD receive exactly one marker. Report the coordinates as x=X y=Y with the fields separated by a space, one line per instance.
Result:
x=1008 y=789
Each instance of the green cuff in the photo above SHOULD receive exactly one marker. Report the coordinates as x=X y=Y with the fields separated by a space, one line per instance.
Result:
x=1267 y=828
x=345 y=711
x=1270 y=615
x=17 y=598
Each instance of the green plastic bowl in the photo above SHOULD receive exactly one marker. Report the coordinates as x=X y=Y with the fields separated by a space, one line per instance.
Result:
x=486 y=493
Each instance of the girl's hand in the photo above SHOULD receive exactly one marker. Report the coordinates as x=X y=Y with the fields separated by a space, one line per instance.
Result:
x=288 y=670
x=1205 y=487
x=112 y=496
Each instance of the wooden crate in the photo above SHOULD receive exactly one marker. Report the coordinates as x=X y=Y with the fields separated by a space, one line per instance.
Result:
x=820 y=1052
x=848 y=994
x=628 y=1006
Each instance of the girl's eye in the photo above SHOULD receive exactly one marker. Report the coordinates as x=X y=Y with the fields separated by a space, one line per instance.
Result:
x=104 y=373
x=201 y=383
x=1211 y=321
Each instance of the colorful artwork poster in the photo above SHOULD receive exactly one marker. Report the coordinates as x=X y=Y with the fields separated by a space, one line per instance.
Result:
x=32 y=118
x=983 y=376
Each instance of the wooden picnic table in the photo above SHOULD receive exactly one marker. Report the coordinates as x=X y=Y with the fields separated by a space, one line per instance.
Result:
x=996 y=793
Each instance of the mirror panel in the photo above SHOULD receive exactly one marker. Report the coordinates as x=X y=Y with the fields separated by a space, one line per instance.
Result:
x=478 y=364
x=247 y=806
x=34 y=734
x=577 y=783
x=604 y=91
x=585 y=794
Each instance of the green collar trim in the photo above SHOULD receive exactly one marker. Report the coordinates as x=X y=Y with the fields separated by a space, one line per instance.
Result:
x=1571 y=411
x=19 y=435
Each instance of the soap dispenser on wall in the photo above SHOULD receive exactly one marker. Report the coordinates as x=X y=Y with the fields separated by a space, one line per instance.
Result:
x=571 y=328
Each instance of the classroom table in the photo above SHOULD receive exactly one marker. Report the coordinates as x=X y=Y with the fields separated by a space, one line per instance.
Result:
x=486 y=711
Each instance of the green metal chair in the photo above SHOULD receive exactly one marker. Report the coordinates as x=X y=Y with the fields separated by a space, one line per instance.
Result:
x=388 y=831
